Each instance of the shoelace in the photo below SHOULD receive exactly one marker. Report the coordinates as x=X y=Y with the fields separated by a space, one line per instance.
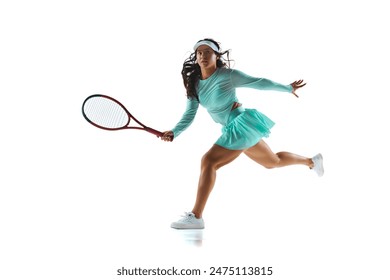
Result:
x=188 y=216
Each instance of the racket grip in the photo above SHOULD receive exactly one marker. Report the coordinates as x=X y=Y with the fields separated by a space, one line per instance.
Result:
x=153 y=131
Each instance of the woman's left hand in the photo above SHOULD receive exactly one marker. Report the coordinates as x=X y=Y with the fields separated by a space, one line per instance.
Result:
x=296 y=85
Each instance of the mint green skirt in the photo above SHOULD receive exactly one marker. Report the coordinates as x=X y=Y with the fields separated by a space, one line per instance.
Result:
x=244 y=129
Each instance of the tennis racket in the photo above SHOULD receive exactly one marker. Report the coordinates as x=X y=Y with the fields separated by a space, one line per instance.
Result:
x=108 y=113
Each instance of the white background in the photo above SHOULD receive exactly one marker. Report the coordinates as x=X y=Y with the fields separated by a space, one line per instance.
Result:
x=77 y=202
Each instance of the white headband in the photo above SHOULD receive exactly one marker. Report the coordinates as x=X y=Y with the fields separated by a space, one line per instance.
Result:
x=207 y=43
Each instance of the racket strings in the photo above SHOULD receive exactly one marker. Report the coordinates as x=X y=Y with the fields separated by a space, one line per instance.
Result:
x=106 y=113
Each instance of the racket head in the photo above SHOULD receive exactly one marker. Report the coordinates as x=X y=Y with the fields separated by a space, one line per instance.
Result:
x=105 y=112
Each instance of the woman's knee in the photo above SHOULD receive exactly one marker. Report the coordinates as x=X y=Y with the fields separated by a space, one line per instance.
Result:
x=218 y=156
x=213 y=160
x=208 y=161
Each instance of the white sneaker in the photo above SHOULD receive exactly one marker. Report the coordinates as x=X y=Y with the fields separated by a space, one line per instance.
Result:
x=188 y=221
x=318 y=165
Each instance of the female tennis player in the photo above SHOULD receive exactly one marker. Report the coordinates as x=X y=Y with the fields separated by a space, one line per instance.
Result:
x=210 y=82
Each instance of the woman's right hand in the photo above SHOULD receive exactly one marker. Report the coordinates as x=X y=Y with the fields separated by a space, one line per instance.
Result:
x=167 y=136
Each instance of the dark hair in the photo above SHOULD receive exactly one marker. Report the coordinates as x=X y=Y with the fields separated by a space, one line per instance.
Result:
x=191 y=71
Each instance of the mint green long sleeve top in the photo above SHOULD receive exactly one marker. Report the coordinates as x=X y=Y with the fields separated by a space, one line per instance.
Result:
x=217 y=94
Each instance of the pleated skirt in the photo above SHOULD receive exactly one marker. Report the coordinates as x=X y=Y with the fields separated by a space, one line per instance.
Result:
x=244 y=129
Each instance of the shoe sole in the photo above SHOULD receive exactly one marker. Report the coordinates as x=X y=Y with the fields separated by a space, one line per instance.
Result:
x=320 y=160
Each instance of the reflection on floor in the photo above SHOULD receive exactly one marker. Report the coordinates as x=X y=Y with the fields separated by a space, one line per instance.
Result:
x=190 y=236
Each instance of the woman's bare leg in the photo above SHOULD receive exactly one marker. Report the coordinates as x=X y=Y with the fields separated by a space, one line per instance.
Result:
x=262 y=154
x=218 y=156
x=214 y=159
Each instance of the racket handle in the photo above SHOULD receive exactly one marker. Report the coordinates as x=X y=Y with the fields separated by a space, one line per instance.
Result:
x=153 y=131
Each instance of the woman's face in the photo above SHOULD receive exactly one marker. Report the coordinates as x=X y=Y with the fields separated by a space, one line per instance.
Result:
x=206 y=57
